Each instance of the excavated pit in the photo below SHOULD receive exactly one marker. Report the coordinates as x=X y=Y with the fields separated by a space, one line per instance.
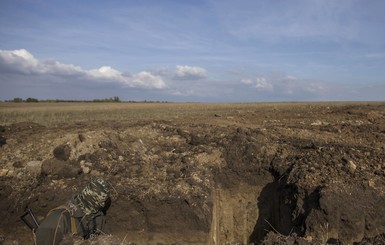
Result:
x=287 y=173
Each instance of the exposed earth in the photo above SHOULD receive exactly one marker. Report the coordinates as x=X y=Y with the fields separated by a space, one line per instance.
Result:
x=275 y=174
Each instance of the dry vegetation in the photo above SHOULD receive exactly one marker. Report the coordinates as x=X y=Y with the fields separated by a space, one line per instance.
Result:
x=49 y=114
x=52 y=114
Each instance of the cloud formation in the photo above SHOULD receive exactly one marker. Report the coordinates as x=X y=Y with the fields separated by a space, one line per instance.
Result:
x=23 y=75
x=260 y=83
x=22 y=62
x=286 y=86
x=190 y=72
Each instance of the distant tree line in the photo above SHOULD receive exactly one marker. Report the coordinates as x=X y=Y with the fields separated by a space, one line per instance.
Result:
x=18 y=100
x=114 y=99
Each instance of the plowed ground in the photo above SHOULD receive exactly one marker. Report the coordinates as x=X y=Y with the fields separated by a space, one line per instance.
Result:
x=201 y=173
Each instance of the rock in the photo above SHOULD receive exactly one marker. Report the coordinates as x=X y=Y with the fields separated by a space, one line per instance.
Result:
x=3 y=172
x=95 y=173
x=316 y=123
x=351 y=166
x=371 y=183
x=121 y=158
x=62 y=152
x=34 y=167
x=86 y=170
x=309 y=239
x=11 y=173
x=60 y=169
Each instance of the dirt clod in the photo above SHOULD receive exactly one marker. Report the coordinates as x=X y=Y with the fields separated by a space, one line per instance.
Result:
x=62 y=152
x=59 y=169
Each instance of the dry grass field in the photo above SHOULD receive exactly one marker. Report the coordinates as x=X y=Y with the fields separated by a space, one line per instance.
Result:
x=57 y=113
x=198 y=173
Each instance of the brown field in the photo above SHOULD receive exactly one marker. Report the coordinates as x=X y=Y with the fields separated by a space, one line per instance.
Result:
x=56 y=113
x=197 y=173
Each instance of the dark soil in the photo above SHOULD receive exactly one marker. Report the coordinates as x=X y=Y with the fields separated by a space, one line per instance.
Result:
x=311 y=173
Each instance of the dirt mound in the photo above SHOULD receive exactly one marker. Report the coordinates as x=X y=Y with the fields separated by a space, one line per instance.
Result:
x=58 y=169
x=303 y=169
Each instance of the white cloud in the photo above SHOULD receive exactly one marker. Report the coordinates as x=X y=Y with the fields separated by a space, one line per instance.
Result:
x=21 y=62
x=59 y=69
x=260 y=83
x=287 y=85
x=106 y=72
x=190 y=72
x=18 y=56
x=146 y=79
x=18 y=61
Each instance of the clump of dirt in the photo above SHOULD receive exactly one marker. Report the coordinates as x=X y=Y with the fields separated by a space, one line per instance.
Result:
x=62 y=152
x=302 y=169
x=58 y=169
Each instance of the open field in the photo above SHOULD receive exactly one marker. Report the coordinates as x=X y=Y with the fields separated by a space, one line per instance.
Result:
x=56 y=113
x=202 y=173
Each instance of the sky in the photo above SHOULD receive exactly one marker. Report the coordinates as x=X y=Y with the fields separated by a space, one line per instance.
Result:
x=193 y=50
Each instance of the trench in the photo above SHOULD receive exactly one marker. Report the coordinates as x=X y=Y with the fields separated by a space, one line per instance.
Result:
x=239 y=215
x=246 y=213
x=235 y=213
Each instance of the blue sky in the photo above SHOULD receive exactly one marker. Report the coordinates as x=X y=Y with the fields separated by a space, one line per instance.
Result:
x=198 y=50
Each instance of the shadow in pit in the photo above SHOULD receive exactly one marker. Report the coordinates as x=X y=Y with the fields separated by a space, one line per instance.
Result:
x=274 y=211
x=277 y=204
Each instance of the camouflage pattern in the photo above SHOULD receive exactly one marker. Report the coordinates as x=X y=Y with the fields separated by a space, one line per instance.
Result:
x=94 y=196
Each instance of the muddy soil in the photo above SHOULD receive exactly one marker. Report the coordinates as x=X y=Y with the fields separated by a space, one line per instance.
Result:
x=313 y=173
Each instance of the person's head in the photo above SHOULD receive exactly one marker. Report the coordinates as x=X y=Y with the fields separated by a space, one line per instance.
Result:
x=95 y=196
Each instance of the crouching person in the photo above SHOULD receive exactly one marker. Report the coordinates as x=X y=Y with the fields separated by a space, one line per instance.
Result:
x=83 y=215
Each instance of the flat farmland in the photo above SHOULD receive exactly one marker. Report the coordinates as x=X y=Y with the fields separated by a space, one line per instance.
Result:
x=56 y=113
